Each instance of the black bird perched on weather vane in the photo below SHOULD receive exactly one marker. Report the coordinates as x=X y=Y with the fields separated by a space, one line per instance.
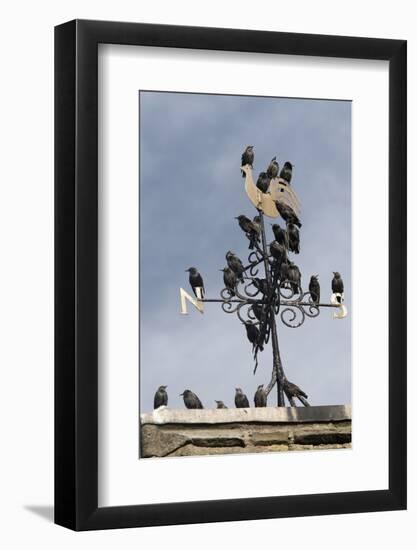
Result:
x=273 y=169
x=294 y=277
x=260 y=284
x=314 y=289
x=280 y=234
x=252 y=229
x=260 y=397
x=252 y=332
x=241 y=401
x=235 y=264
x=229 y=279
x=337 y=285
x=220 y=404
x=196 y=281
x=287 y=213
x=278 y=251
x=284 y=271
x=248 y=157
x=161 y=397
x=263 y=182
x=191 y=401
x=257 y=311
x=286 y=172
x=293 y=238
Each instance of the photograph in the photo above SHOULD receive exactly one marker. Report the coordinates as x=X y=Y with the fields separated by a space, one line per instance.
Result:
x=245 y=274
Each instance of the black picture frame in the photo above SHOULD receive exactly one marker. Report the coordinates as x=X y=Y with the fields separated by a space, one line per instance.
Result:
x=76 y=272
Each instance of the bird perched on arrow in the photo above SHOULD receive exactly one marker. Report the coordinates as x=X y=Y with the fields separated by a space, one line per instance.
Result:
x=337 y=285
x=287 y=213
x=191 y=401
x=260 y=398
x=196 y=281
x=241 y=401
x=248 y=157
x=314 y=289
x=273 y=169
x=235 y=265
x=229 y=279
x=286 y=172
x=161 y=397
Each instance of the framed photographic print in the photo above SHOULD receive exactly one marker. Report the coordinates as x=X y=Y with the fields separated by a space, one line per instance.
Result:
x=230 y=275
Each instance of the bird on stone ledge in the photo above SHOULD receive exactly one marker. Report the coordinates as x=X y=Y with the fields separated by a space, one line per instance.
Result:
x=191 y=400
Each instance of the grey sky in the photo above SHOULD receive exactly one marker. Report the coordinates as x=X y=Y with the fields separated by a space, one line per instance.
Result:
x=191 y=189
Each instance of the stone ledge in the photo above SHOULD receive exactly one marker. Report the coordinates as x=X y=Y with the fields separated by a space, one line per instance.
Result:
x=328 y=413
x=168 y=432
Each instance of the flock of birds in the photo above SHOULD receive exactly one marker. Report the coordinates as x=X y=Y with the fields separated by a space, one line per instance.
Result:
x=283 y=270
x=192 y=401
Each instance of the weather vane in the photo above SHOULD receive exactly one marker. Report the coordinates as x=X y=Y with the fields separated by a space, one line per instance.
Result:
x=258 y=300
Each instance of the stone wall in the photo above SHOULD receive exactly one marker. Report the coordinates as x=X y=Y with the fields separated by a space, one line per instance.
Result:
x=174 y=432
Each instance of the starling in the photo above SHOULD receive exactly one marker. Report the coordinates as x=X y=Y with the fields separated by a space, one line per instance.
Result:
x=273 y=169
x=293 y=390
x=191 y=401
x=286 y=172
x=161 y=397
x=280 y=234
x=294 y=276
x=247 y=157
x=263 y=182
x=287 y=213
x=284 y=271
x=196 y=281
x=260 y=284
x=256 y=225
x=257 y=311
x=220 y=404
x=252 y=332
x=314 y=288
x=337 y=285
x=241 y=401
x=230 y=279
x=235 y=265
x=278 y=251
x=260 y=397
x=254 y=234
x=245 y=223
x=252 y=229
x=293 y=238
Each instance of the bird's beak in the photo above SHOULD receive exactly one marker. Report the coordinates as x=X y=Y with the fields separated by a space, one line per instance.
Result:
x=186 y=270
x=236 y=218
x=181 y=394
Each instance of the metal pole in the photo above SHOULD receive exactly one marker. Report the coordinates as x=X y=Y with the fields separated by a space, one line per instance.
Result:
x=277 y=365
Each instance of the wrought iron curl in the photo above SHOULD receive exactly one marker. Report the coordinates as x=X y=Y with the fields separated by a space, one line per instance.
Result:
x=289 y=316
